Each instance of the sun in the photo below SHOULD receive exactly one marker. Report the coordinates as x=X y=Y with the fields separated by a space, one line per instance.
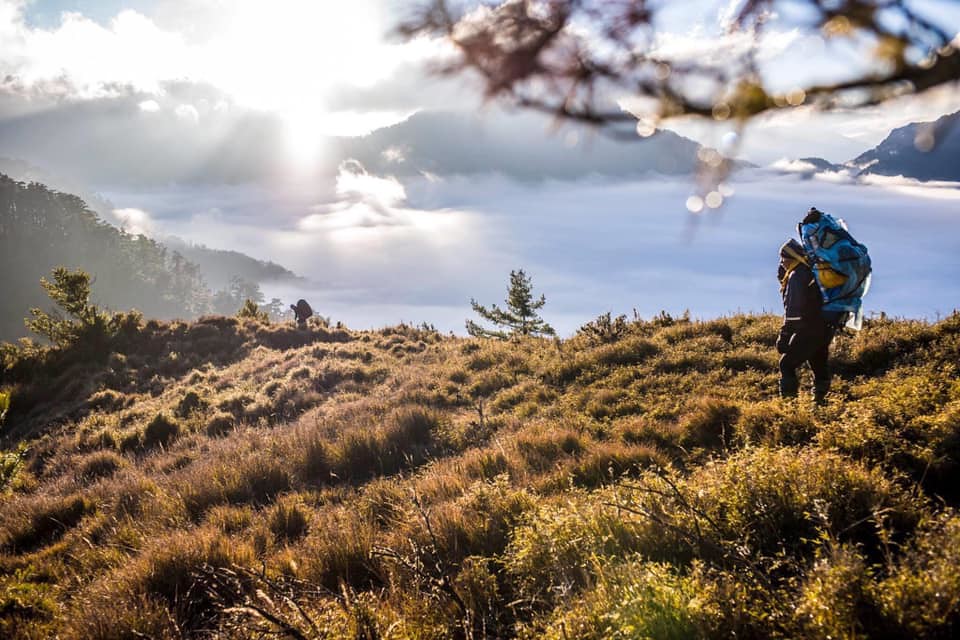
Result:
x=306 y=62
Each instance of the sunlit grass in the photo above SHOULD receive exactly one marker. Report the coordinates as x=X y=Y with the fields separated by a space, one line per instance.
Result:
x=637 y=481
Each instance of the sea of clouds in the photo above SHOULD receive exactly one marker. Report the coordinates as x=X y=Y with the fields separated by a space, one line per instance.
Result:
x=374 y=251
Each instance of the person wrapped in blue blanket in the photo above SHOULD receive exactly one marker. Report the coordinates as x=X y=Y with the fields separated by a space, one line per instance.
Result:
x=806 y=335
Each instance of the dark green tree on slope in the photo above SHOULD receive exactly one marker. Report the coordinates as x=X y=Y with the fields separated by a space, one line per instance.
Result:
x=71 y=291
x=520 y=318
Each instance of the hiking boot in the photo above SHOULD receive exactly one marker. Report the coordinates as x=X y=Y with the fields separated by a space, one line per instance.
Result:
x=789 y=387
x=820 y=390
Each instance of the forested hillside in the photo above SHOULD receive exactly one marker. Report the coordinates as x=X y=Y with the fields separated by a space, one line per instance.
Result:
x=236 y=479
x=41 y=228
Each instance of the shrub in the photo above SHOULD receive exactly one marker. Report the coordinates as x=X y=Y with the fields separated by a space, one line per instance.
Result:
x=553 y=552
x=288 y=521
x=608 y=462
x=230 y=519
x=478 y=522
x=301 y=373
x=253 y=478
x=160 y=432
x=120 y=619
x=775 y=423
x=250 y=311
x=236 y=404
x=220 y=424
x=639 y=600
x=631 y=351
x=710 y=424
x=4 y=404
x=314 y=463
x=921 y=596
x=832 y=596
x=10 y=464
x=101 y=464
x=44 y=521
x=107 y=400
x=776 y=500
x=339 y=553
x=604 y=329
x=190 y=402
x=169 y=571
x=414 y=426
x=541 y=450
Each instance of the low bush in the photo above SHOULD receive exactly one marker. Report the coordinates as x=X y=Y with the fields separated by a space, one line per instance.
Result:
x=190 y=402
x=775 y=422
x=42 y=521
x=252 y=478
x=107 y=400
x=288 y=521
x=710 y=424
x=160 y=432
x=170 y=572
x=220 y=424
x=921 y=596
x=101 y=464
x=609 y=462
x=638 y=600
x=553 y=552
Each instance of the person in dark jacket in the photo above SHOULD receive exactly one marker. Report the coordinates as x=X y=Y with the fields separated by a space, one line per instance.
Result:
x=805 y=335
x=301 y=313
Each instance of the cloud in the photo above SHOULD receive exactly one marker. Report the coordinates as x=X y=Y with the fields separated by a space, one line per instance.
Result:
x=700 y=44
x=592 y=245
x=149 y=106
x=282 y=56
x=134 y=221
x=83 y=59
x=369 y=208
x=188 y=112
x=793 y=166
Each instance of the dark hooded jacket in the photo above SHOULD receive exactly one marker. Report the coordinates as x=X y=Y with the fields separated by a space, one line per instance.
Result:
x=801 y=297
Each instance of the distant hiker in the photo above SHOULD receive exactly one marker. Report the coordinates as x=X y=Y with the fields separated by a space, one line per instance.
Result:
x=806 y=334
x=301 y=312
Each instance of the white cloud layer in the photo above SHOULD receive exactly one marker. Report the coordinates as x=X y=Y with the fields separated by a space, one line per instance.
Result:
x=591 y=246
x=134 y=221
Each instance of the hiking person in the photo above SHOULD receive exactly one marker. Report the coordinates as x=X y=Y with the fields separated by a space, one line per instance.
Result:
x=301 y=312
x=806 y=334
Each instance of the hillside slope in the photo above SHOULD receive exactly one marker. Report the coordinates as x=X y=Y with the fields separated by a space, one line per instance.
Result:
x=42 y=228
x=637 y=480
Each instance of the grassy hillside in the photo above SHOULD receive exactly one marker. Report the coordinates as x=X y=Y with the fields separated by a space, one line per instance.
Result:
x=235 y=479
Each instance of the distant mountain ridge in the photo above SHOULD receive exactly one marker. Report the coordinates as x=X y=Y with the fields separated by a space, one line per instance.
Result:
x=520 y=146
x=220 y=266
x=921 y=150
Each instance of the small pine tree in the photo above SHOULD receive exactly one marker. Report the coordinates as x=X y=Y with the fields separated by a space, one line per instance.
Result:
x=520 y=316
x=251 y=311
x=71 y=291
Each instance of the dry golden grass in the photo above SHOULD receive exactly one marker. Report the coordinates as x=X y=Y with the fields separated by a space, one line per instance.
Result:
x=234 y=478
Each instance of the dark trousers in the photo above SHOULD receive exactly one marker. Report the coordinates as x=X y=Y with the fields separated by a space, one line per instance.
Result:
x=802 y=342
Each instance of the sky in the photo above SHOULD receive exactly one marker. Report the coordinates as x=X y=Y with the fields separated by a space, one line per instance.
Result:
x=223 y=122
